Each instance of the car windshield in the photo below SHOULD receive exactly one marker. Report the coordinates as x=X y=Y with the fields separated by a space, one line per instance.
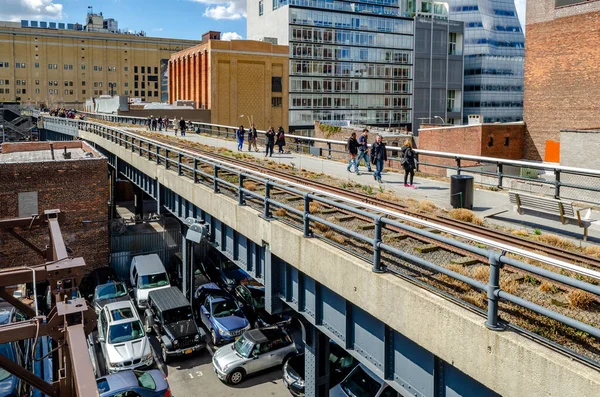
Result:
x=178 y=314
x=243 y=346
x=145 y=380
x=227 y=265
x=111 y=291
x=153 y=281
x=125 y=332
x=224 y=308
x=6 y=351
x=360 y=384
x=258 y=296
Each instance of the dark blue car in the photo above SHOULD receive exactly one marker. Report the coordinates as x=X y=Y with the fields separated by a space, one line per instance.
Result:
x=134 y=383
x=10 y=385
x=220 y=313
x=230 y=274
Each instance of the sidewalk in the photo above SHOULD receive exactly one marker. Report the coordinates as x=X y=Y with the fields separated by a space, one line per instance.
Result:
x=438 y=192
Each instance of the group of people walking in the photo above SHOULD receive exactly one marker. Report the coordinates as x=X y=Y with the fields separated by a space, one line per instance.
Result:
x=271 y=139
x=158 y=123
x=358 y=150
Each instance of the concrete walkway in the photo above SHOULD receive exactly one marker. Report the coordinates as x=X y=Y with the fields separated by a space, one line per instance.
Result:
x=438 y=192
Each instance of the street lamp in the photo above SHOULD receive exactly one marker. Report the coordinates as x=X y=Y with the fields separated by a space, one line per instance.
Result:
x=438 y=117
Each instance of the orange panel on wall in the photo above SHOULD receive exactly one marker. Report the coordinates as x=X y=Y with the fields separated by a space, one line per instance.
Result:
x=552 y=152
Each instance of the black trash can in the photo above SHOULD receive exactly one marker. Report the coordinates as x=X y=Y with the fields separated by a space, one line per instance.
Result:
x=461 y=191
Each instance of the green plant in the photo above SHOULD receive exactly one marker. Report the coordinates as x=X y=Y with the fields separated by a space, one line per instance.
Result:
x=344 y=185
x=381 y=189
x=364 y=188
x=531 y=280
x=369 y=190
x=329 y=130
x=537 y=232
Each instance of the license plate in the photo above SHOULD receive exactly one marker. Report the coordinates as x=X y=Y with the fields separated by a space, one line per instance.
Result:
x=188 y=351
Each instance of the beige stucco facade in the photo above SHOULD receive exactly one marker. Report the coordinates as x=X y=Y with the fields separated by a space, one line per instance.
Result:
x=66 y=67
x=234 y=78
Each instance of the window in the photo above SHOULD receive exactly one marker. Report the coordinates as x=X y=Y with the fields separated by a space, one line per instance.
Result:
x=37 y=82
x=149 y=93
x=135 y=84
x=507 y=141
x=276 y=102
x=66 y=67
x=95 y=68
x=137 y=93
x=37 y=90
x=135 y=69
x=83 y=92
x=17 y=65
x=126 y=84
x=82 y=67
x=18 y=90
x=37 y=65
x=260 y=7
x=452 y=44
x=451 y=100
x=143 y=69
x=491 y=141
x=66 y=92
x=155 y=70
x=83 y=83
x=143 y=85
x=55 y=66
x=50 y=92
x=126 y=68
x=143 y=93
x=276 y=84
x=49 y=66
x=156 y=93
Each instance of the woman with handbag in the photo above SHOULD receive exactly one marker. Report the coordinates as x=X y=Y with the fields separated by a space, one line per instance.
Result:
x=408 y=163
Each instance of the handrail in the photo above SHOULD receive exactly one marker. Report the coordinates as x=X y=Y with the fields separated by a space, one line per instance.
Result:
x=136 y=144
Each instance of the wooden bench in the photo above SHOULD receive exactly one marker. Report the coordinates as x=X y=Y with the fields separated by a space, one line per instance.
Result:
x=551 y=208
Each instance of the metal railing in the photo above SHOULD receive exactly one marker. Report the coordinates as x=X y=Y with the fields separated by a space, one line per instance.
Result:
x=217 y=176
x=553 y=180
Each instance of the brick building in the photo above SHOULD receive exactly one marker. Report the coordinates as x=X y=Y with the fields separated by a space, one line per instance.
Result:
x=31 y=181
x=562 y=77
x=233 y=78
x=496 y=140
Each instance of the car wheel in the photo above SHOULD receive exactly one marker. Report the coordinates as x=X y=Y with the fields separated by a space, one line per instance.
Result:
x=165 y=356
x=213 y=336
x=148 y=326
x=236 y=377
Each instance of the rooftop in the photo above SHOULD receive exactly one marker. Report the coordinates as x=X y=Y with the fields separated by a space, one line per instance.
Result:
x=168 y=298
x=30 y=152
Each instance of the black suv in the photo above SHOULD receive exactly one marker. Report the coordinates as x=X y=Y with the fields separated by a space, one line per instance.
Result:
x=169 y=314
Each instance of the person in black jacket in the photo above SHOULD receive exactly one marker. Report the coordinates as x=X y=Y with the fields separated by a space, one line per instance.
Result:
x=280 y=139
x=408 y=163
x=270 y=141
x=378 y=157
x=353 y=152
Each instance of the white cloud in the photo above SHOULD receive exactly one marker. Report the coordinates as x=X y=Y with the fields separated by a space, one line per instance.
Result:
x=223 y=9
x=228 y=36
x=521 y=11
x=157 y=30
x=15 y=10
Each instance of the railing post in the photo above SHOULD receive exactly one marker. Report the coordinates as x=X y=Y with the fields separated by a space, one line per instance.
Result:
x=149 y=151
x=376 y=248
x=157 y=154
x=195 y=170
x=132 y=144
x=556 y=184
x=167 y=158
x=499 y=170
x=267 y=205
x=492 y=290
x=240 y=191
x=215 y=181
x=457 y=165
x=307 y=201
x=179 y=164
x=329 y=149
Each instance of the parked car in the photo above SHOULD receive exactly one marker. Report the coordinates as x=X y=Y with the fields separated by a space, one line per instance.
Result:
x=147 y=273
x=230 y=274
x=10 y=385
x=340 y=364
x=122 y=338
x=254 y=351
x=113 y=291
x=220 y=313
x=251 y=295
x=169 y=315
x=96 y=277
x=361 y=381
x=134 y=384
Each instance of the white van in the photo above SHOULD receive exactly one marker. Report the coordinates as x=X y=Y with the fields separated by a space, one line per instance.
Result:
x=147 y=273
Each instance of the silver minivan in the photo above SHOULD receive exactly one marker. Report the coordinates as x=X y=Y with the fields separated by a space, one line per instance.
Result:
x=147 y=273
x=254 y=351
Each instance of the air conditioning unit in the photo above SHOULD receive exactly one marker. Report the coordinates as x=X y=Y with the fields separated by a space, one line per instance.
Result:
x=475 y=119
x=272 y=40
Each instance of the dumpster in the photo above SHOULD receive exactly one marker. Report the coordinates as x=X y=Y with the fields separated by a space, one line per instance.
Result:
x=461 y=191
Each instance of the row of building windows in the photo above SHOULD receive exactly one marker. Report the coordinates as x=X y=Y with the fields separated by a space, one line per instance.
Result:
x=496 y=43
x=341 y=101
x=317 y=68
x=370 y=7
x=4 y=90
x=489 y=87
x=318 y=51
x=346 y=37
x=355 y=116
x=143 y=85
x=493 y=104
x=357 y=86
x=350 y=21
x=493 y=72
x=472 y=8
x=144 y=69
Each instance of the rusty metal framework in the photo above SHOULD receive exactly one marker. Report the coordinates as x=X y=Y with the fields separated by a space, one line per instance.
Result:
x=70 y=318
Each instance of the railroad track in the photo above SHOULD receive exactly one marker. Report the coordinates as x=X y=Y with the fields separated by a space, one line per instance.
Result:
x=495 y=235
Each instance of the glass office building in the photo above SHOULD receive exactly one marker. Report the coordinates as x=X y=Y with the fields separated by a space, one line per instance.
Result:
x=349 y=61
x=494 y=58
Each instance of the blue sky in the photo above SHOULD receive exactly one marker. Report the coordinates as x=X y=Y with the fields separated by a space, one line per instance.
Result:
x=185 y=19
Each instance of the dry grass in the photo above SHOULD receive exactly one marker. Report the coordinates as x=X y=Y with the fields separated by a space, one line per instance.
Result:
x=548 y=287
x=333 y=236
x=314 y=207
x=460 y=269
x=387 y=196
x=579 y=299
x=411 y=203
x=475 y=298
x=520 y=233
x=454 y=282
x=281 y=212
x=555 y=241
x=427 y=206
x=481 y=273
x=465 y=215
x=321 y=227
x=593 y=250
x=250 y=186
x=508 y=285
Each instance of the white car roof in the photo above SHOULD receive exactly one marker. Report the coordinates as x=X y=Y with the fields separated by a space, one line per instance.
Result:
x=148 y=264
x=116 y=307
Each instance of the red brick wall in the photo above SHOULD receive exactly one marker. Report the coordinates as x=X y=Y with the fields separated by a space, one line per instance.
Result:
x=562 y=79
x=471 y=140
x=8 y=147
x=77 y=188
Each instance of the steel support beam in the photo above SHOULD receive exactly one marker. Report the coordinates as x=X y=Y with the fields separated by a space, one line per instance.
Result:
x=22 y=330
x=23 y=308
x=57 y=250
x=81 y=364
x=28 y=243
x=316 y=364
x=28 y=377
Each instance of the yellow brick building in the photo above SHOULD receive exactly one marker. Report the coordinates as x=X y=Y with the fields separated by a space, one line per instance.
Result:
x=234 y=78
x=65 y=67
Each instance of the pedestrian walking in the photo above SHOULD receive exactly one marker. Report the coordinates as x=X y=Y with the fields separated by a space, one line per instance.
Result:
x=182 y=126
x=154 y=123
x=408 y=163
x=252 y=136
x=378 y=157
x=363 y=150
x=240 y=133
x=280 y=139
x=148 y=123
x=353 y=152
x=160 y=124
x=270 y=135
x=166 y=123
